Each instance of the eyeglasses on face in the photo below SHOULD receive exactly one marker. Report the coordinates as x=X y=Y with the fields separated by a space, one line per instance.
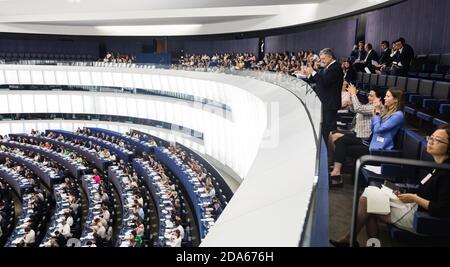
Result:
x=433 y=140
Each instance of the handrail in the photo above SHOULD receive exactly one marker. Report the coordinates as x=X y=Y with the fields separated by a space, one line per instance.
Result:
x=369 y=159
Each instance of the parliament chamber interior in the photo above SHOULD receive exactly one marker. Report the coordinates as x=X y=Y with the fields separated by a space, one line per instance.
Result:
x=263 y=123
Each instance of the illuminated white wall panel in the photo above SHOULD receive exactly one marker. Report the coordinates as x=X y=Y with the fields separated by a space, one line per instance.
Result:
x=226 y=145
x=220 y=136
x=2 y=77
x=37 y=77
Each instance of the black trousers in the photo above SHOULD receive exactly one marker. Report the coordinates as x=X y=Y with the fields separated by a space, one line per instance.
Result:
x=349 y=145
x=329 y=123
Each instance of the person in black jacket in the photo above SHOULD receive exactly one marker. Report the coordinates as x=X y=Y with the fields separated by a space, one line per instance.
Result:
x=358 y=52
x=349 y=72
x=371 y=55
x=433 y=195
x=385 y=53
x=328 y=88
x=402 y=61
x=385 y=57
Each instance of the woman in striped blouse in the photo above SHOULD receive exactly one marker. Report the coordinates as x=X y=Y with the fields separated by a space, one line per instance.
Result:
x=360 y=132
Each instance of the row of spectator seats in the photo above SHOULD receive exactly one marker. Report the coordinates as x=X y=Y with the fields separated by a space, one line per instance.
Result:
x=9 y=56
x=431 y=66
x=424 y=98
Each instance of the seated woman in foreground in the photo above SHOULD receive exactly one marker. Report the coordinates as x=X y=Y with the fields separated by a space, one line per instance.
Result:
x=433 y=195
x=384 y=125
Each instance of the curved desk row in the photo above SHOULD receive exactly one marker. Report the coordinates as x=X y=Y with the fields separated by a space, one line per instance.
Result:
x=120 y=152
x=73 y=167
x=191 y=185
x=164 y=206
x=89 y=155
x=17 y=182
x=137 y=145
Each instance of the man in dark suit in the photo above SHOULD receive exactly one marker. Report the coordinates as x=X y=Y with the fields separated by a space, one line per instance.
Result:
x=358 y=52
x=385 y=53
x=367 y=61
x=402 y=61
x=328 y=88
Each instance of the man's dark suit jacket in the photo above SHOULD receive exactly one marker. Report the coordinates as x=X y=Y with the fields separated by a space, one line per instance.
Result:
x=372 y=56
x=329 y=86
x=385 y=56
x=406 y=56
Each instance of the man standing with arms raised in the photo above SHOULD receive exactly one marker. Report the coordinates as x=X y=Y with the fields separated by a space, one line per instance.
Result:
x=328 y=88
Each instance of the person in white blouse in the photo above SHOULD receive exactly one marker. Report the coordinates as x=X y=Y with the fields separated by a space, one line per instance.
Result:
x=211 y=192
x=30 y=236
x=180 y=228
x=68 y=217
x=106 y=215
x=65 y=229
x=176 y=239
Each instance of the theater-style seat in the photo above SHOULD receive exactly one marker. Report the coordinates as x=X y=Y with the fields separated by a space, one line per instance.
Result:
x=415 y=100
x=382 y=79
x=434 y=58
x=392 y=81
x=365 y=82
x=411 y=89
x=408 y=146
x=441 y=94
x=373 y=81
x=430 y=231
x=396 y=151
x=359 y=78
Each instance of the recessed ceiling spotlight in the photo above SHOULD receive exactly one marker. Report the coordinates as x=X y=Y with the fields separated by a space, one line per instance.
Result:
x=73 y=1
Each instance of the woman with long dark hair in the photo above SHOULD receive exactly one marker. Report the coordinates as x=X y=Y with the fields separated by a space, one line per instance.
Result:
x=385 y=123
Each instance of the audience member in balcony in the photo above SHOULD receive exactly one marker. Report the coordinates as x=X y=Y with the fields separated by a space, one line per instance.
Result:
x=402 y=60
x=385 y=62
x=385 y=53
x=328 y=88
x=345 y=98
x=358 y=54
x=384 y=125
x=432 y=195
x=349 y=71
x=366 y=62
x=361 y=124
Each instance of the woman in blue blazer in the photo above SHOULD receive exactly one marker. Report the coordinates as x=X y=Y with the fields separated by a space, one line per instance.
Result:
x=385 y=123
